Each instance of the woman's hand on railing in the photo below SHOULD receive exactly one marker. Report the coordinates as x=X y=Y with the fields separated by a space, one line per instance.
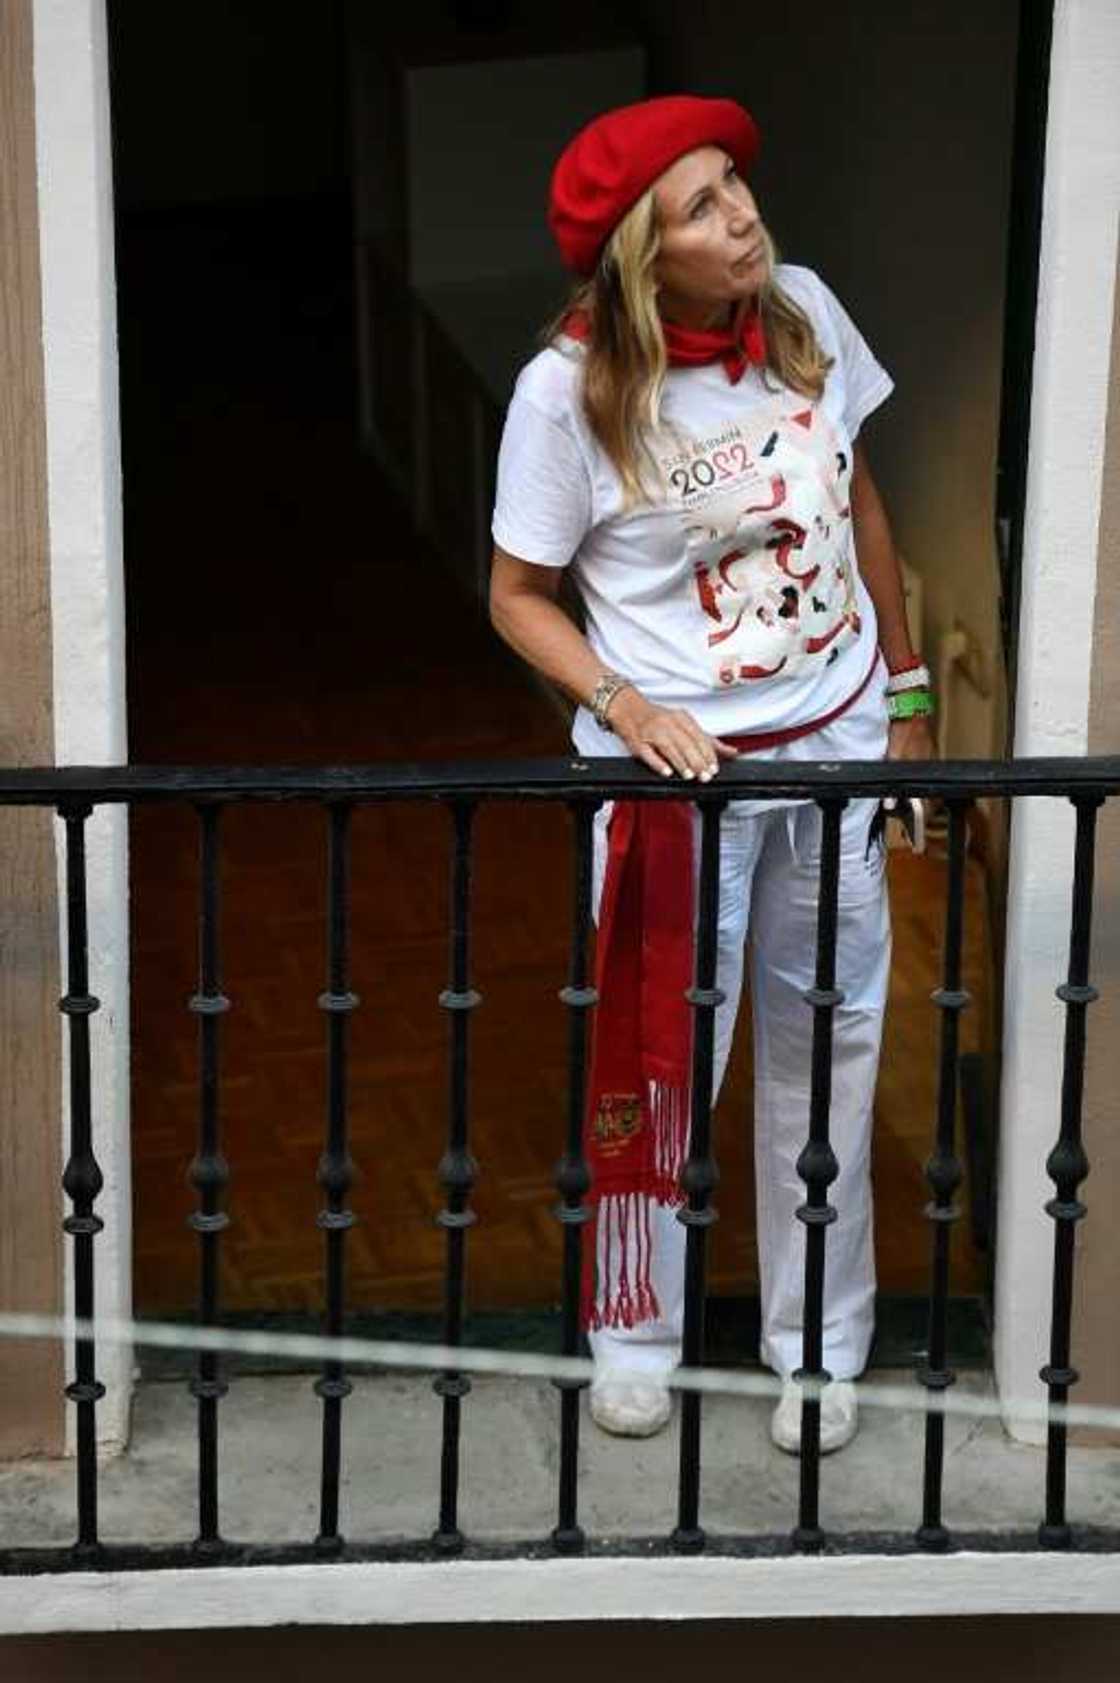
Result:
x=667 y=738
x=911 y=739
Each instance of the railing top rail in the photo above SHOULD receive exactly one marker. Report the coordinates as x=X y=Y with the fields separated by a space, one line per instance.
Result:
x=556 y=779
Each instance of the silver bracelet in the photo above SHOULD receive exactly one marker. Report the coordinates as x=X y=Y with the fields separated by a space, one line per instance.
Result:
x=603 y=694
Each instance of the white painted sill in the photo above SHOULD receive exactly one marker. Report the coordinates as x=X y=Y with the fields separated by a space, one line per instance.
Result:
x=528 y=1591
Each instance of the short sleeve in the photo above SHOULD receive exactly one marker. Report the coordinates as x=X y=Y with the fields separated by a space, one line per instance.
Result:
x=542 y=504
x=866 y=382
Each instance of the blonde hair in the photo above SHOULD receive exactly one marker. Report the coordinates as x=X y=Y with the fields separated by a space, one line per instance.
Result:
x=626 y=361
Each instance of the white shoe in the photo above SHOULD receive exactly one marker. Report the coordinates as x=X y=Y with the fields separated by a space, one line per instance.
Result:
x=839 y=1416
x=630 y=1404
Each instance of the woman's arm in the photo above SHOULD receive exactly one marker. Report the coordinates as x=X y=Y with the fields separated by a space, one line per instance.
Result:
x=910 y=739
x=525 y=612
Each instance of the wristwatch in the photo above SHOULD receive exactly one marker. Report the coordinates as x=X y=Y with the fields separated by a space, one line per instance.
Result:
x=603 y=694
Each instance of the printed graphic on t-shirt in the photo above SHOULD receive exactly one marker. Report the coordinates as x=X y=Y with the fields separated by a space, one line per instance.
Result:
x=764 y=505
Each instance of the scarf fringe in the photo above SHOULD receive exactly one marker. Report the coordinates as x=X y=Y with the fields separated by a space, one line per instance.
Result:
x=621 y=1293
x=625 y=1301
x=668 y=1114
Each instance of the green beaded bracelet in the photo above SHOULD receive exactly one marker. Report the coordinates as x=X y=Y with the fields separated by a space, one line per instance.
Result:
x=909 y=704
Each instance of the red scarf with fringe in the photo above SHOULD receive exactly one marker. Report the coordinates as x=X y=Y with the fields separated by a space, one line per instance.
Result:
x=637 y=1117
x=690 y=347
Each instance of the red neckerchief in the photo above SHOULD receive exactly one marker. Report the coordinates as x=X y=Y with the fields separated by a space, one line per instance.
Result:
x=637 y=1116
x=690 y=347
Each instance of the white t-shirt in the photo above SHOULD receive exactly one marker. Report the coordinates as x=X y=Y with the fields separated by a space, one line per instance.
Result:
x=735 y=593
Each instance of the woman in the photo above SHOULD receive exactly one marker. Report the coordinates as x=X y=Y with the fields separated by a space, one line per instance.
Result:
x=685 y=442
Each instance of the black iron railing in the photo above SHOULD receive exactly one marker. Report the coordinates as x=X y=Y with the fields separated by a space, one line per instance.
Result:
x=582 y=786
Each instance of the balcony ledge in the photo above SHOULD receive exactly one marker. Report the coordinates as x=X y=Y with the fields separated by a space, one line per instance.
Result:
x=530 y=1591
x=870 y=1504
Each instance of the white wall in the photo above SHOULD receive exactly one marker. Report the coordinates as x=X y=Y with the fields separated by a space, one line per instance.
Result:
x=87 y=589
x=1069 y=408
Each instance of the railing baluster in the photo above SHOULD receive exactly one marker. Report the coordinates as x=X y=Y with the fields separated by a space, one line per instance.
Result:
x=457 y=1173
x=943 y=1172
x=700 y=1174
x=572 y=1176
x=1067 y=1166
x=818 y=1168
x=82 y=1179
x=336 y=1168
x=209 y=1174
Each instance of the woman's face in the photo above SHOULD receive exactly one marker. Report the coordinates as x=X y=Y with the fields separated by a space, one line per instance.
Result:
x=712 y=252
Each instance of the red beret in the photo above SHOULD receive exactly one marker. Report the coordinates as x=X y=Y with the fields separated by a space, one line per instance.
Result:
x=610 y=163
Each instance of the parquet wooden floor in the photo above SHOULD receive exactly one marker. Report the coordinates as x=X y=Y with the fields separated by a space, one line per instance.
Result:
x=281 y=610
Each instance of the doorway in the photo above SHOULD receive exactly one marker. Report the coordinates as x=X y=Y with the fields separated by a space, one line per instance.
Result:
x=275 y=527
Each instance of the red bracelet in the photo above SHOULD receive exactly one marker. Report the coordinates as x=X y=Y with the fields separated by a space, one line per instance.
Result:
x=907 y=666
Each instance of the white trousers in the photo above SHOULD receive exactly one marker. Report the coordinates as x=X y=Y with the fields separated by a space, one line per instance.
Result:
x=769 y=869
